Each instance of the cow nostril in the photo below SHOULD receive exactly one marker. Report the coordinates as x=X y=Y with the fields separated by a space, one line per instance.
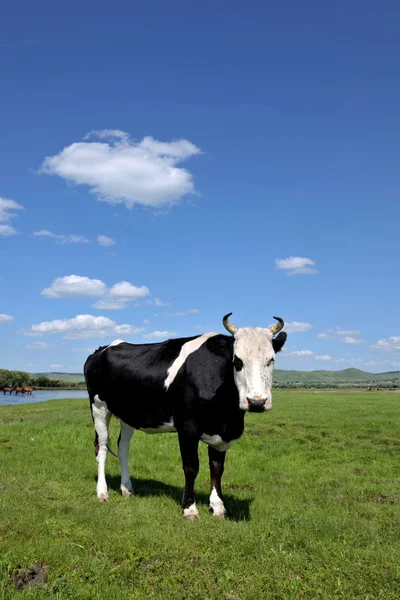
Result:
x=257 y=403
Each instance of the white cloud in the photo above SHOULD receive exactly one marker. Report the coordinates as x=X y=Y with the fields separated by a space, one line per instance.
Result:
x=323 y=357
x=7 y=209
x=6 y=318
x=119 y=170
x=390 y=344
x=296 y=265
x=348 y=339
x=297 y=327
x=347 y=332
x=83 y=327
x=146 y=322
x=62 y=238
x=110 y=304
x=325 y=335
x=302 y=353
x=159 y=302
x=7 y=230
x=7 y=212
x=126 y=290
x=37 y=345
x=103 y=134
x=120 y=294
x=156 y=335
x=54 y=366
x=103 y=240
x=74 y=286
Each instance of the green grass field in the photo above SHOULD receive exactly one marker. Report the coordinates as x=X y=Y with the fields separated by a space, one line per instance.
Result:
x=312 y=491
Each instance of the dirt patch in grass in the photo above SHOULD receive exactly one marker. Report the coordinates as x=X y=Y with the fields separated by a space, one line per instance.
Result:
x=28 y=577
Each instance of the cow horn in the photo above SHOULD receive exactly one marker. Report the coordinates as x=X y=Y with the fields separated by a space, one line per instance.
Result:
x=228 y=325
x=276 y=328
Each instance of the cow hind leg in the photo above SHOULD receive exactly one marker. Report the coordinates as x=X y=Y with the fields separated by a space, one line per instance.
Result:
x=217 y=461
x=101 y=418
x=190 y=463
x=124 y=441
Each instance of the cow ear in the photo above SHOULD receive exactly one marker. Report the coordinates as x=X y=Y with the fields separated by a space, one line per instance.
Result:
x=278 y=342
x=220 y=345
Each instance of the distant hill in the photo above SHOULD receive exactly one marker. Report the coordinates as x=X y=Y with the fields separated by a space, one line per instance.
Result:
x=350 y=377
x=353 y=377
x=67 y=377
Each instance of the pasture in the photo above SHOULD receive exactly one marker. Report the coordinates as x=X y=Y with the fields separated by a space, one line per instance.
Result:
x=312 y=490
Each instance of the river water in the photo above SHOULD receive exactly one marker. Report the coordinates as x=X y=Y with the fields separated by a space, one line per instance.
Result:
x=41 y=396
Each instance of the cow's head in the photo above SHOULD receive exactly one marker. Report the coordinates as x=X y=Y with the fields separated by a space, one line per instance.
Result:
x=254 y=351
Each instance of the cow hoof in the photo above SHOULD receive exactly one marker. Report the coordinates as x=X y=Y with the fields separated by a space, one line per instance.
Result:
x=192 y=517
x=191 y=513
x=102 y=498
x=127 y=492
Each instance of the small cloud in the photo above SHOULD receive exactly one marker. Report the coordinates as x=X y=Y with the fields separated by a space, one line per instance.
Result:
x=297 y=327
x=146 y=322
x=159 y=302
x=62 y=238
x=6 y=318
x=103 y=240
x=348 y=339
x=346 y=332
x=325 y=335
x=156 y=335
x=54 y=366
x=75 y=286
x=390 y=344
x=7 y=230
x=323 y=357
x=37 y=345
x=302 y=353
x=110 y=304
x=83 y=327
x=124 y=289
x=7 y=212
x=296 y=265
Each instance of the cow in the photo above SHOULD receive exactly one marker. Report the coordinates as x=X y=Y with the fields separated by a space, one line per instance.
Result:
x=200 y=387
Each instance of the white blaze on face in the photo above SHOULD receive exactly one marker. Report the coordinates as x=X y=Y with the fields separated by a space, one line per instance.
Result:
x=253 y=365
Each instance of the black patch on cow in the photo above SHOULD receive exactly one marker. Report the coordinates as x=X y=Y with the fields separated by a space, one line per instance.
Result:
x=278 y=342
x=237 y=363
x=220 y=345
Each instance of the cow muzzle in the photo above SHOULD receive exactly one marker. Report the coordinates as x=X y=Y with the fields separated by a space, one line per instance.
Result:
x=257 y=404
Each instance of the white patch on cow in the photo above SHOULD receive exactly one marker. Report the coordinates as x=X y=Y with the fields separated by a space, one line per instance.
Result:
x=191 y=512
x=167 y=427
x=186 y=349
x=123 y=454
x=253 y=346
x=114 y=343
x=216 y=442
x=101 y=418
x=216 y=504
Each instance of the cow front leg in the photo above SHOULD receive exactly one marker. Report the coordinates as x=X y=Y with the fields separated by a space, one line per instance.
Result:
x=217 y=461
x=124 y=441
x=190 y=462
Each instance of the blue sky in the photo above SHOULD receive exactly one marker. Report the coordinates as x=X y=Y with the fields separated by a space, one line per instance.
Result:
x=239 y=157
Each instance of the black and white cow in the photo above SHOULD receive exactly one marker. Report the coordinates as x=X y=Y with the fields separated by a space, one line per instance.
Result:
x=199 y=387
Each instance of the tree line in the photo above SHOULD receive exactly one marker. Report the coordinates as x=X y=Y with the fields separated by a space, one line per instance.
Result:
x=20 y=378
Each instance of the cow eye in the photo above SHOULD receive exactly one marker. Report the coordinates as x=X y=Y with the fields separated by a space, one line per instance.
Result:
x=237 y=363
